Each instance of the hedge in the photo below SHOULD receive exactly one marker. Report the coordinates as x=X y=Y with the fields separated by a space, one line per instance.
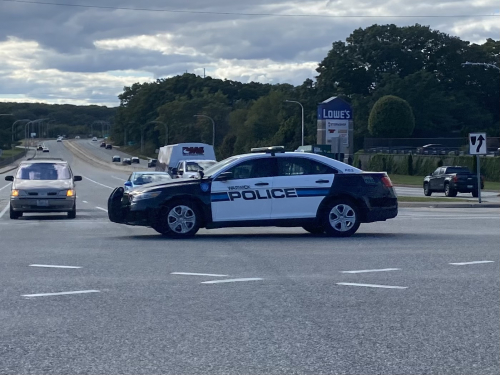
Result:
x=422 y=165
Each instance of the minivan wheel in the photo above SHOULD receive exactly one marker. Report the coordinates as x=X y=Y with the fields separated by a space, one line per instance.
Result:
x=72 y=213
x=340 y=218
x=14 y=215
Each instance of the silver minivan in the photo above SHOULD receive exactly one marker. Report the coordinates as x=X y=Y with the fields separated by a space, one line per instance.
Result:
x=43 y=185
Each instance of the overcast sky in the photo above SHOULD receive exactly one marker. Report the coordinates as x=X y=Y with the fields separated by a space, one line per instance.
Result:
x=84 y=55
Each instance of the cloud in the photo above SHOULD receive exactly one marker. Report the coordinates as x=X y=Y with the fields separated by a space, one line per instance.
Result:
x=85 y=55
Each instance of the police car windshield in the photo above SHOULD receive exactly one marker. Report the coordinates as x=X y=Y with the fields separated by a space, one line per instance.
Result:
x=218 y=166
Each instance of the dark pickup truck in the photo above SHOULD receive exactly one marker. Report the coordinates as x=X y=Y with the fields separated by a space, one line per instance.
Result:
x=452 y=180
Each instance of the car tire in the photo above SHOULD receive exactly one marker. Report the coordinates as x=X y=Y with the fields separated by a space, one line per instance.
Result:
x=179 y=219
x=314 y=229
x=340 y=218
x=427 y=190
x=449 y=192
x=72 y=213
x=14 y=215
x=475 y=194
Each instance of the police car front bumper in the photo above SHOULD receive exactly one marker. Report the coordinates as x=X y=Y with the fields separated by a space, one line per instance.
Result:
x=122 y=210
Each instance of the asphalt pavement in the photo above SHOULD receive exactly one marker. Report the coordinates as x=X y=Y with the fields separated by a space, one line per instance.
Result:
x=418 y=294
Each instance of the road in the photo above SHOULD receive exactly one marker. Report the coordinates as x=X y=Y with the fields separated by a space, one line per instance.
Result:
x=415 y=295
x=487 y=196
x=103 y=153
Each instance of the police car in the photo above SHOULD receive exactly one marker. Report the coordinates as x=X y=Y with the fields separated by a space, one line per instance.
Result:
x=268 y=187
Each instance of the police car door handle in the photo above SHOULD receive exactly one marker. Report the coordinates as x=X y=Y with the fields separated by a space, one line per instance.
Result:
x=261 y=184
x=322 y=181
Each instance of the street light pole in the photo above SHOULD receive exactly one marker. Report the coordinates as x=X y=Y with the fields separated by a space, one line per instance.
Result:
x=12 y=130
x=481 y=64
x=213 y=127
x=302 y=107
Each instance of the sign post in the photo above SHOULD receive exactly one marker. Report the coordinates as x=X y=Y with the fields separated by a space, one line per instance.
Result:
x=477 y=146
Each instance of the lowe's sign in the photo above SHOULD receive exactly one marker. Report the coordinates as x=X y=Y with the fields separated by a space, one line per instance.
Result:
x=334 y=108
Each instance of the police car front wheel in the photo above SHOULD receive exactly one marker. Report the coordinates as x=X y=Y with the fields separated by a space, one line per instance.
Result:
x=179 y=219
x=341 y=219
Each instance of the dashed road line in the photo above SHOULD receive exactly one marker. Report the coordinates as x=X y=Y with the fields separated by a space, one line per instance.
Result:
x=59 y=293
x=98 y=183
x=374 y=286
x=85 y=202
x=474 y=262
x=118 y=178
x=102 y=209
x=52 y=266
x=197 y=274
x=377 y=270
x=4 y=210
x=231 y=280
x=3 y=187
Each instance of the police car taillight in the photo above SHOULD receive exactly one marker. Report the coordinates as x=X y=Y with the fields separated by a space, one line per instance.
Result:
x=387 y=181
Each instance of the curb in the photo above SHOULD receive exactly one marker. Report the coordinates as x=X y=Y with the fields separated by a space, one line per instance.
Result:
x=79 y=153
x=447 y=205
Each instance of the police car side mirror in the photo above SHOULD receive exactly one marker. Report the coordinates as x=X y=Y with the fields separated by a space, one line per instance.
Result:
x=128 y=184
x=224 y=176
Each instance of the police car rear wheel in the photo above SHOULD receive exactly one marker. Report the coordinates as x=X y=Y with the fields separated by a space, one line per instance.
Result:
x=180 y=220
x=341 y=219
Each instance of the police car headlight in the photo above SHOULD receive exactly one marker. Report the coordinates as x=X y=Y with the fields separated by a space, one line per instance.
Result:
x=141 y=196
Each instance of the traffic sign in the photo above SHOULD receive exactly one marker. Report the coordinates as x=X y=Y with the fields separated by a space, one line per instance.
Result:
x=477 y=144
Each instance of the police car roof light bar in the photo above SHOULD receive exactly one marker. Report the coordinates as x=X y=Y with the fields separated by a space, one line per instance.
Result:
x=268 y=150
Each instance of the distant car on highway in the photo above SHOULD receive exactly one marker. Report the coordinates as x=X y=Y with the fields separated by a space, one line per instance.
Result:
x=146 y=177
x=268 y=187
x=94 y=139
x=45 y=149
x=77 y=137
x=39 y=147
x=103 y=144
x=116 y=159
x=109 y=146
x=452 y=180
x=43 y=185
x=59 y=139
x=136 y=160
x=152 y=163
x=127 y=161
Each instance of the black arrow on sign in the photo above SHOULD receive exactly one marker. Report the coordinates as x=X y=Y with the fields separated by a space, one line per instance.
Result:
x=480 y=139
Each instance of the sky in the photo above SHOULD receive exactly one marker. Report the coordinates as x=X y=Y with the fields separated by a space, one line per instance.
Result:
x=85 y=51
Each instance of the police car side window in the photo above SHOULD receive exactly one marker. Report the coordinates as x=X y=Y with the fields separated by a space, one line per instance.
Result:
x=302 y=166
x=253 y=169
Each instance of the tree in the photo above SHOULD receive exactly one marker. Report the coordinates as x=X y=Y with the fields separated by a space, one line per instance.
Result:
x=391 y=117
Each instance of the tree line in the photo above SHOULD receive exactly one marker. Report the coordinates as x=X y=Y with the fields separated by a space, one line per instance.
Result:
x=422 y=66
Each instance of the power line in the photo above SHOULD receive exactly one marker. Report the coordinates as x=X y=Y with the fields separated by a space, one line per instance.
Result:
x=246 y=14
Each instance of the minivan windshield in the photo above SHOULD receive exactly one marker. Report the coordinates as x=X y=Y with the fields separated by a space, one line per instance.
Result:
x=43 y=171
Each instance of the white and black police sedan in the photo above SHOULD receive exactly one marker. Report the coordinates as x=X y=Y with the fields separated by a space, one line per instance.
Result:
x=268 y=187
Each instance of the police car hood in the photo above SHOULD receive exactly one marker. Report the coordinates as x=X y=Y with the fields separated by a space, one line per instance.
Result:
x=165 y=184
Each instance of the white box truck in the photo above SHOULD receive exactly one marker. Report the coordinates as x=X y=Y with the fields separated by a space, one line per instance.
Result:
x=170 y=156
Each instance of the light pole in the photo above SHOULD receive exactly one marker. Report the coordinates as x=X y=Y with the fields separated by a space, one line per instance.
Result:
x=12 y=130
x=301 y=106
x=213 y=127
x=481 y=64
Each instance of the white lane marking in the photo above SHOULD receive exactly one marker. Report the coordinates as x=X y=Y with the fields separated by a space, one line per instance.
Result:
x=450 y=218
x=85 y=202
x=475 y=262
x=378 y=270
x=52 y=266
x=98 y=183
x=375 y=286
x=197 y=274
x=4 y=210
x=60 y=293
x=102 y=209
x=118 y=178
x=3 y=187
x=231 y=280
